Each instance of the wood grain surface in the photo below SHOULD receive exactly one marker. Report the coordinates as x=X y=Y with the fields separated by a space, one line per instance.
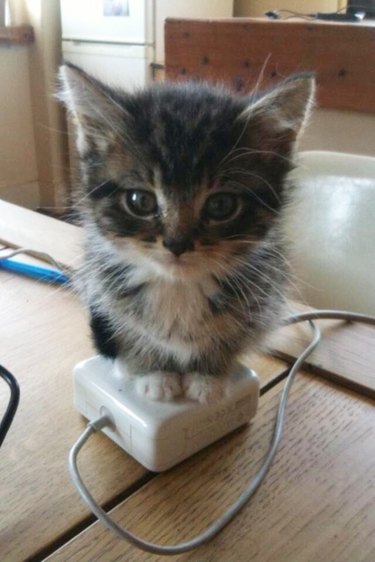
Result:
x=43 y=334
x=346 y=353
x=316 y=505
x=21 y=227
x=249 y=52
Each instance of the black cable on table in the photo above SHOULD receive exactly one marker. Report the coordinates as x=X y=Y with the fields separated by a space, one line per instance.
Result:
x=14 y=399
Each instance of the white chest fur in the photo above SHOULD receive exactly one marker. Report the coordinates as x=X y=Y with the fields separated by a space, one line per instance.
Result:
x=175 y=317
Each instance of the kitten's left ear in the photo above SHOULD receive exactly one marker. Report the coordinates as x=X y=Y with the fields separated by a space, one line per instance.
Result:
x=278 y=117
x=85 y=96
x=96 y=112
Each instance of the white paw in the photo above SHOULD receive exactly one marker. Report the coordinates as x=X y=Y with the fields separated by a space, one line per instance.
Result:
x=206 y=389
x=159 y=386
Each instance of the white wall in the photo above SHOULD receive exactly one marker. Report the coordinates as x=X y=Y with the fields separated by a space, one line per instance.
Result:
x=18 y=167
x=48 y=124
x=340 y=131
x=186 y=9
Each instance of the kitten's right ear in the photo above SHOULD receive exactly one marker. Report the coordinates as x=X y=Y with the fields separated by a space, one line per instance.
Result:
x=90 y=103
x=275 y=121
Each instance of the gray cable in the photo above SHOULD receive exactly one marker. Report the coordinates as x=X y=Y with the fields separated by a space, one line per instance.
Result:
x=331 y=315
x=220 y=523
x=43 y=256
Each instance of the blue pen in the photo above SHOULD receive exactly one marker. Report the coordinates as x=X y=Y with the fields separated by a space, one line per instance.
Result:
x=34 y=271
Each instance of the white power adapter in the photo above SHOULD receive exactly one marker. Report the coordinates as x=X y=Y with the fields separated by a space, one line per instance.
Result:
x=160 y=434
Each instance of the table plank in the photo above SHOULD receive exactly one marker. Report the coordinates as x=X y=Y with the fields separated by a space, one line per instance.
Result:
x=23 y=228
x=346 y=354
x=317 y=503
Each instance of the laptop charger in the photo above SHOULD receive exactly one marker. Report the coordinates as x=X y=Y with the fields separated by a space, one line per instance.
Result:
x=160 y=434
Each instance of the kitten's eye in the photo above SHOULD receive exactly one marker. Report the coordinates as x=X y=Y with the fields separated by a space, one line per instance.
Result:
x=221 y=206
x=141 y=203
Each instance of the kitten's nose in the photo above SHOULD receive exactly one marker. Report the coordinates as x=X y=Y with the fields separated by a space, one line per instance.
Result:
x=178 y=245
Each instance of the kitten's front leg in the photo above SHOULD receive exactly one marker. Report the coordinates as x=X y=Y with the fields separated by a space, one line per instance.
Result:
x=161 y=385
x=164 y=386
x=206 y=389
x=158 y=385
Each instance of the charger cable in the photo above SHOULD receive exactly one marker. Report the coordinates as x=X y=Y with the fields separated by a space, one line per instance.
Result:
x=14 y=399
x=8 y=253
x=253 y=486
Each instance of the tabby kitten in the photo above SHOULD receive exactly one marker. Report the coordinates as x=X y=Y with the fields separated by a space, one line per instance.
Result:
x=183 y=185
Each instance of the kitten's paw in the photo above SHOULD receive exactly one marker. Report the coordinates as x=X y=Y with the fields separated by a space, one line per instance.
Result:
x=206 y=389
x=159 y=386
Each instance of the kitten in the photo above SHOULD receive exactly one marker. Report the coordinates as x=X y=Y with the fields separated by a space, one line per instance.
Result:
x=183 y=185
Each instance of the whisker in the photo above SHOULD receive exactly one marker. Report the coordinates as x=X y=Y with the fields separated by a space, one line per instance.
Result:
x=252 y=94
x=255 y=195
x=256 y=176
x=244 y=151
x=236 y=279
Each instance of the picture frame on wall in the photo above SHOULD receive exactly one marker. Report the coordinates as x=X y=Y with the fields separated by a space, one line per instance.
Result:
x=115 y=8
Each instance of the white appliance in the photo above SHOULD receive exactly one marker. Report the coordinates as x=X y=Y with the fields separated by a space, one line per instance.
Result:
x=117 y=40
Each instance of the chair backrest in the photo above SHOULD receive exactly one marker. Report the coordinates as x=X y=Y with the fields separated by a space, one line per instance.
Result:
x=245 y=51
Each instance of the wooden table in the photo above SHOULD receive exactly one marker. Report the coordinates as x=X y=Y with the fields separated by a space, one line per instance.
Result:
x=317 y=503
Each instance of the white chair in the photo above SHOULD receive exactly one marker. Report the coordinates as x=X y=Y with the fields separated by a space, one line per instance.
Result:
x=330 y=226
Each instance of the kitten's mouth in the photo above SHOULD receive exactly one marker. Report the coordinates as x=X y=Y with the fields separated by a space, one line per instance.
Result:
x=178 y=261
x=185 y=265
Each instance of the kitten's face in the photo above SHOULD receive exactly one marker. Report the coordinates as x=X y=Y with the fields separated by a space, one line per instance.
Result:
x=184 y=178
